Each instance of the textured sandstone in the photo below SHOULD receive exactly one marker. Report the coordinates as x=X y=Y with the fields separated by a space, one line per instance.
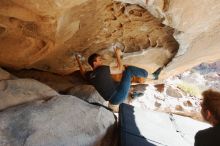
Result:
x=197 y=30
x=47 y=34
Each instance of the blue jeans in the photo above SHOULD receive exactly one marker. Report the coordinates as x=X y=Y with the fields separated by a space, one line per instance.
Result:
x=123 y=88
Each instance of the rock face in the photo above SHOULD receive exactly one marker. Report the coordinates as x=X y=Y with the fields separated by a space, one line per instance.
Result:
x=19 y=91
x=14 y=91
x=59 y=83
x=197 y=31
x=87 y=93
x=57 y=122
x=4 y=75
x=47 y=34
x=47 y=118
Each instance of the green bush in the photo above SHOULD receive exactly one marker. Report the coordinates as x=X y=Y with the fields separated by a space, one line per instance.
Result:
x=191 y=89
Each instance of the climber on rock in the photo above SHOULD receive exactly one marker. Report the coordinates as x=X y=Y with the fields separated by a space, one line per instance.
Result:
x=109 y=89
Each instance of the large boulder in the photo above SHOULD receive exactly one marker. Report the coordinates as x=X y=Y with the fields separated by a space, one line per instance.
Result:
x=87 y=93
x=19 y=91
x=63 y=120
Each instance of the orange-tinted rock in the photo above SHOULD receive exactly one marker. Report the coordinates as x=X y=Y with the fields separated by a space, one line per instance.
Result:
x=187 y=103
x=46 y=35
x=159 y=87
x=179 y=108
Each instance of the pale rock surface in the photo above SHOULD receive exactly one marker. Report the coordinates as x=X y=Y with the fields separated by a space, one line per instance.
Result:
x=174 y=92
x=4 y=75
x=19 y=91
x=87 y=93
x=63 y=120
x=197 y=30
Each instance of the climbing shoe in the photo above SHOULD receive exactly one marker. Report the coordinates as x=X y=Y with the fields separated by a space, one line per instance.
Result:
x=114 y=107
x=135 y=95
x=156 y=73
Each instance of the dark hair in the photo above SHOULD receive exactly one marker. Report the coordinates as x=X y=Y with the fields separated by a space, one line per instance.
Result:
x=92 y=58
x=211 y=102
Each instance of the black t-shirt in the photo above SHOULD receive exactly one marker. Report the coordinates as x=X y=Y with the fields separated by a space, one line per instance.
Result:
x=101 y=79
x=208 y=137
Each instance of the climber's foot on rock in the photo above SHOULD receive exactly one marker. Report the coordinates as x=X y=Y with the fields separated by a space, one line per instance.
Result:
x=157 y=73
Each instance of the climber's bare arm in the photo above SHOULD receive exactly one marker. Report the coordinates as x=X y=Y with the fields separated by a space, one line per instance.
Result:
x=81 y=68
x=118 y=59
x=116 y=71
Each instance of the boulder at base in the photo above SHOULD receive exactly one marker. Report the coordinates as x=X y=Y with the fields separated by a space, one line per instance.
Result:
x=61 y=121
